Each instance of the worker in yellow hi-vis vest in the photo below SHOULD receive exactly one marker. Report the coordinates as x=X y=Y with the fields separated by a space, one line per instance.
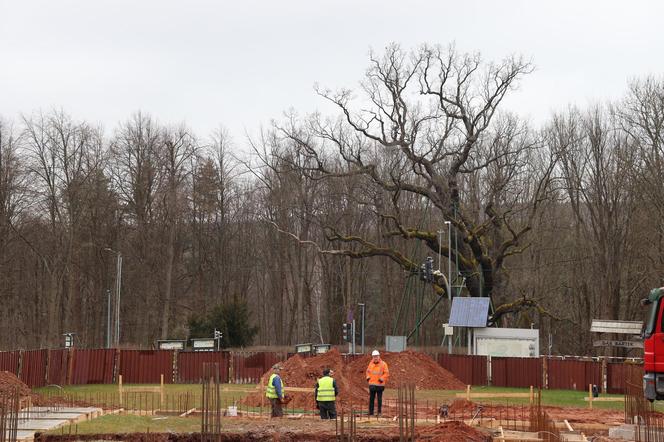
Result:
x=325 y=393
x=275 y=391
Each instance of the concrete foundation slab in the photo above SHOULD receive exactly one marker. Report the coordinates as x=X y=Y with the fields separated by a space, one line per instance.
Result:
x=41 y=424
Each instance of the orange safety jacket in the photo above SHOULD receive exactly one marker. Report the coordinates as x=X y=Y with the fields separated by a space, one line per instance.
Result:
x=377 y=374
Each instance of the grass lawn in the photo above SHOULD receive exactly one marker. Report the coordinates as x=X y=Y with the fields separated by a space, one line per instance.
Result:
x=112 y=423
x=176 y=395
x=559 y=398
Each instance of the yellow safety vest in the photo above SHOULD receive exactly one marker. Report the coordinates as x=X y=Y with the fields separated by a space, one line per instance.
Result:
x=270 y=391
x=325 y=389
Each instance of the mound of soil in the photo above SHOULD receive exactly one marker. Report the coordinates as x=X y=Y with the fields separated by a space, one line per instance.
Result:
x=9 y=383
x=461 y=406
x=452 y=431
x=407 y=366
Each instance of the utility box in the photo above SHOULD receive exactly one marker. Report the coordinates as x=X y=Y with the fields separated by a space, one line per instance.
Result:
x=395 y=343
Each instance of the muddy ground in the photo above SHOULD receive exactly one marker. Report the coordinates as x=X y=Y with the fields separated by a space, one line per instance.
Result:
x=238 y=429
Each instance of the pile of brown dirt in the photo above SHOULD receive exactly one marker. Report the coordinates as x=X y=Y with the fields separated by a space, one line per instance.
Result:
x=461 y=406
x=9 y=383
x=452 y=431
x=407 y=366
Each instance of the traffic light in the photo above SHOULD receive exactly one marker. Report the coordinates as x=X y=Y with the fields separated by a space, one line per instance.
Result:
x=426 y=270
x=347 y=332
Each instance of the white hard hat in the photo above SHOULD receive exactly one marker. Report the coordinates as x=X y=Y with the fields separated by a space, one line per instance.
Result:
x=375 y=353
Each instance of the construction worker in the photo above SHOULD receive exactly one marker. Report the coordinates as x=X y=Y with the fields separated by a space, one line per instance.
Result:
x=275 y=391
x=326 y=392
x=377 y=376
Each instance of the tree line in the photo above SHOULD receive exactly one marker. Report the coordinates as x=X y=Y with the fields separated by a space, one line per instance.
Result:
x=557 y=224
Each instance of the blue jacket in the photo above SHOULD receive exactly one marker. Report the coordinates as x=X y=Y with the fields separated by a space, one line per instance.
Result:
x=277 y=385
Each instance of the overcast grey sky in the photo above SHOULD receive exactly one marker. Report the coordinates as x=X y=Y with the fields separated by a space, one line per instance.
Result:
x=242 y=63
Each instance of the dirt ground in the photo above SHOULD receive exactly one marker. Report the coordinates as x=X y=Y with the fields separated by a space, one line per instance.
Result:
x=414 y=367
x=9 y=383
x=239 y=429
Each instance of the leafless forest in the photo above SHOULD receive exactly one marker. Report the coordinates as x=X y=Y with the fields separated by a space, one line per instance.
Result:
x=557 y=223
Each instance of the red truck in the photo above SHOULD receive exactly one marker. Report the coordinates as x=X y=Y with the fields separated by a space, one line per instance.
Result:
x=653 y=346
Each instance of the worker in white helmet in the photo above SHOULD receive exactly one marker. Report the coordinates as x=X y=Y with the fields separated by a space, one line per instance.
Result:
x=377 y=376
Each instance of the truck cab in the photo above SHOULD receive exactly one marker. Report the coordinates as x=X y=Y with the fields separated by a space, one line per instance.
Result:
x=653 y=346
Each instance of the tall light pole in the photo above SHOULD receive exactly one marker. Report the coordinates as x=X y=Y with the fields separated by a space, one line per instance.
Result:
x=361 y=304
x=449 y=275
x=118 y=288
x=108 y=319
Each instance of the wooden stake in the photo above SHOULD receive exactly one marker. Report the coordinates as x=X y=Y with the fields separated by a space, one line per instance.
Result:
x=161 y=391
x=120 y=387
x=532 y=395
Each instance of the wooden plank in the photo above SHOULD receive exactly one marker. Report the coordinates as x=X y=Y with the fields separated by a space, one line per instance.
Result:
x=492 y=395
x=605 y=399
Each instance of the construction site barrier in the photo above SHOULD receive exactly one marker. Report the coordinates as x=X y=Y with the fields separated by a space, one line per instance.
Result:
x=103 y=366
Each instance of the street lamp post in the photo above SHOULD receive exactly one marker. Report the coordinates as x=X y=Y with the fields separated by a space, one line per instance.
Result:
x=118 y=288
x=449 y=275
x=108 y=319
x=361 y=304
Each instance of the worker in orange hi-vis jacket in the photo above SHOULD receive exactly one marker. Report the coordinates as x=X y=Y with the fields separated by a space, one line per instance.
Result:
x=377 y=377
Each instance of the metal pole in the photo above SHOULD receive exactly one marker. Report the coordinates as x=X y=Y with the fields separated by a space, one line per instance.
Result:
x=108 y=319
x=440 y=250
x=470 y=349
x=352 y=328
x=449 y=276
x=362 y=305
x=118 y=288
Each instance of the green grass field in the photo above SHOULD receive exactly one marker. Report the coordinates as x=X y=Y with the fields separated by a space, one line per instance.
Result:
x=233 y=393
x=132 y=424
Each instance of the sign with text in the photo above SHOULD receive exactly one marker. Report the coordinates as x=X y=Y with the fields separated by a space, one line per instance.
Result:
x=202 y=344
x=171 y=344
x=623 y=344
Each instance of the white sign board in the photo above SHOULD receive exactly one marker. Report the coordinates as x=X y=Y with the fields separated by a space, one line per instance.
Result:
x=623 y=344
x=611 y=326
x=202 y=344
x=509 y=342
x=170 y=345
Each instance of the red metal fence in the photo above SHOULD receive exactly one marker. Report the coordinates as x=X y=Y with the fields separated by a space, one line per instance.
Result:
x=33 y=367
x=190 y=365
x=248 y=367
x=9 y=361
x=564 y=374
x=471 y=370
x=92 y=366
x=100 y=366
x=617 y=373
x=516 y=372
x=58 y=363
x=146 y=366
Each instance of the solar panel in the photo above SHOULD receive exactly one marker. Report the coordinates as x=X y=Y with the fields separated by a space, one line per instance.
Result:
x=469 y=312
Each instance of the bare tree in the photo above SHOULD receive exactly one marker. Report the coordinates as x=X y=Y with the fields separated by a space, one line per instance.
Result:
x=432 y=114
